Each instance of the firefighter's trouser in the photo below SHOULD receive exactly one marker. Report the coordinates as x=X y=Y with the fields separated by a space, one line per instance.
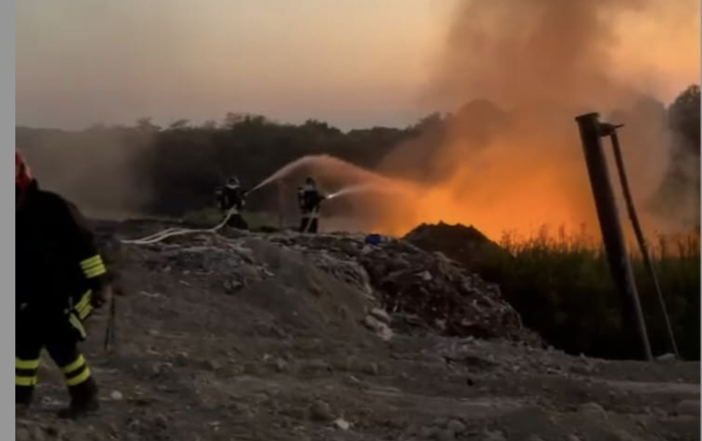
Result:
x=236 y=220
x=309 y=223
x=59 y=333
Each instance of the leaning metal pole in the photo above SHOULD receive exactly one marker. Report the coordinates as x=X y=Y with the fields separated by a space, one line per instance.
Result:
x=591 y=132
x=643 y=247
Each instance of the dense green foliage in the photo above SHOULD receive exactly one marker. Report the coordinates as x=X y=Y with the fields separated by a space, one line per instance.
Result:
x=562 y=289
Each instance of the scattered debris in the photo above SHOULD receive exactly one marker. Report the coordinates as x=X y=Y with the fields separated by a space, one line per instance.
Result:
x=342 y=424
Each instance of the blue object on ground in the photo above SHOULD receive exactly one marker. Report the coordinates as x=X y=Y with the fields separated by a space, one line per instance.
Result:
x=374 y=239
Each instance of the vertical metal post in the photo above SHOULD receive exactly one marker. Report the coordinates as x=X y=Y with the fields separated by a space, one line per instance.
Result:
x=612 y=235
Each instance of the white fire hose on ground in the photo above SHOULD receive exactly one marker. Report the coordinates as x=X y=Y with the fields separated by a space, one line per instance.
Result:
x=171 y=232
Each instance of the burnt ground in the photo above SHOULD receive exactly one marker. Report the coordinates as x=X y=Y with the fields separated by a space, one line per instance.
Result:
x=283 y=337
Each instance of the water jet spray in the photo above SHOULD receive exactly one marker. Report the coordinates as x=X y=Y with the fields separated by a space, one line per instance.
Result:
x=350 y=190
x=342 y=169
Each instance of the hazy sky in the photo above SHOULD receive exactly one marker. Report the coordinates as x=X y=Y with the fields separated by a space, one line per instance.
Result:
x=354 y=62
x=350 y=62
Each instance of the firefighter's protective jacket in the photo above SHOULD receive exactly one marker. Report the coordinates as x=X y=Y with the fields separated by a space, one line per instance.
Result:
x=231 y=197
x=56 y=258
x=309 y=198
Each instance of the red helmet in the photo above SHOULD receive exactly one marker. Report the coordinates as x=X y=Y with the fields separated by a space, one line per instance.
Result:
x=23 y=176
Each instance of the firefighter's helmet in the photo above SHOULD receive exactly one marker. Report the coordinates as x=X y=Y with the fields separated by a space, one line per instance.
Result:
x=232 y=182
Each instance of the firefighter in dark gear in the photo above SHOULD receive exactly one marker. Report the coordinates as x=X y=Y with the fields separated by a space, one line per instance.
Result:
x=310 y=199
x=232 y=199
x=60 y=279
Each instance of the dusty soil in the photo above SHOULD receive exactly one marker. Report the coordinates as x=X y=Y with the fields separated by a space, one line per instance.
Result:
x=252 y=337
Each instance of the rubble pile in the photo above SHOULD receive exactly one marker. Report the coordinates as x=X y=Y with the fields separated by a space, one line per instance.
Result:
x=419 y=288
x=466 y=245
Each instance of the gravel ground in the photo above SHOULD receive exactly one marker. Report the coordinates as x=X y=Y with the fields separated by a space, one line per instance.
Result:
x=255 y=337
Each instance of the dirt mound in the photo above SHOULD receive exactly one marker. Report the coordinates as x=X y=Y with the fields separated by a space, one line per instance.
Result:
x=466 y=245
x=282 y=291
x=289 y=337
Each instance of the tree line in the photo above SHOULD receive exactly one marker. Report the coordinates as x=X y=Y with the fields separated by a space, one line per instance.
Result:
x=172 y=170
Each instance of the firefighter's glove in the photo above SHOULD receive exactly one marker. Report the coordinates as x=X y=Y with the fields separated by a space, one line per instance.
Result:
x=101 y=296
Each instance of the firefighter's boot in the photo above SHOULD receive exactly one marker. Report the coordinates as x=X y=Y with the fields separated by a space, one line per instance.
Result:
x=84 y=400
x=21 y=410
x=23 y=399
